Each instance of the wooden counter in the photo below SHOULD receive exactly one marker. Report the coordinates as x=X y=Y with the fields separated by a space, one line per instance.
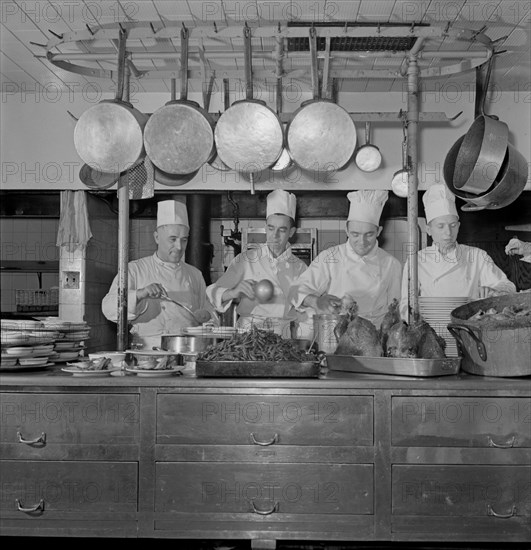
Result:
x=343 y=457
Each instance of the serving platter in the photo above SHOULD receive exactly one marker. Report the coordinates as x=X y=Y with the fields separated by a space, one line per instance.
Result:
x=394 y=366
x=258 y=369
x=159 y=373
x=76 y=371
x=18 y=368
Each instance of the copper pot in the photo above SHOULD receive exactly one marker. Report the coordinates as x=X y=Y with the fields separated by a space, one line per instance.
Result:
x=109 y=135
x=179 y=137
x=249 y=135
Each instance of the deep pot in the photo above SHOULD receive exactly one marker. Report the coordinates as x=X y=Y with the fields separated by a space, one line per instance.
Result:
x=494 y=347
x=181 y=343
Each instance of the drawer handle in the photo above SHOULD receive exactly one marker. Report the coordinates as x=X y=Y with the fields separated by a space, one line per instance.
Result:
x=491 y=512
x=508 y=445
x=40 y=440
x=264 y=512
x=263 y=443
x=37 y=508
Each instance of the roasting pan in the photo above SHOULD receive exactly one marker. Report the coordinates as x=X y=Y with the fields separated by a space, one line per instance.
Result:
x=395 y=366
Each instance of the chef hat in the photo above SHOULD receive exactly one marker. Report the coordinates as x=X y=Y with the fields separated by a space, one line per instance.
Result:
x=367 y=205
x=172 y=213
x=281 y=202
x=438 y=201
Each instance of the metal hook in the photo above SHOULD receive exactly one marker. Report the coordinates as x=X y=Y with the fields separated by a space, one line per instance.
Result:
x=121 y=27
x=89 y=29
x=152 y=27
x=279 y=28
x=215 y=27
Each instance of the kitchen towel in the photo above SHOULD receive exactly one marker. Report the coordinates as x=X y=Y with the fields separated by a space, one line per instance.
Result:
x=74 y=228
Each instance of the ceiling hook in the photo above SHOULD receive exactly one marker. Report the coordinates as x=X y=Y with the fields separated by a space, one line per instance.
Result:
x=215 y=26
x=121 y=27
x=89 y=29
x=412 y=29
x=279 y=28
x=152 y=27
x=345 y=30
x=60 y=36
x=184 y=31
x=447 y=28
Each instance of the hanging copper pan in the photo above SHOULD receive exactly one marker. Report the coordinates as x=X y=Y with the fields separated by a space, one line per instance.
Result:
x=173 y=180
x=179 y=137
x=216 y=161
x=249 y=135
x=322 y=135
x=483 y=149
x=108 y=136
x=507 y=187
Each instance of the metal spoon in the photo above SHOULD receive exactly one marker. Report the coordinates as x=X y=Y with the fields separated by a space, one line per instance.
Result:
x=168 y=299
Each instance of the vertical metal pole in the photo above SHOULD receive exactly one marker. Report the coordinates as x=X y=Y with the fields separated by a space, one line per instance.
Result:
x=123 y=252
x=412 y=196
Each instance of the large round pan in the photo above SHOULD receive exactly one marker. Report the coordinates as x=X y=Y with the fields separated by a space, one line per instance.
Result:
x=506 y=189
x=482 y=151
x=179 y=137
x=321 y=135
x=109 y=135
x=249 y=135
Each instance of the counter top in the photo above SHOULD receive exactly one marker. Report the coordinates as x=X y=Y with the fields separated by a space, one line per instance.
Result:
x=53 y=377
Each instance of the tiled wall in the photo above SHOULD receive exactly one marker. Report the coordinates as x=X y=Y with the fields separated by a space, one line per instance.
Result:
x=27 y=239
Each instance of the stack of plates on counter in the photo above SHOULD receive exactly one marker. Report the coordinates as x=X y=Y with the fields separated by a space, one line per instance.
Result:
x=436 y=311
x=19 y=358
x=61 y=341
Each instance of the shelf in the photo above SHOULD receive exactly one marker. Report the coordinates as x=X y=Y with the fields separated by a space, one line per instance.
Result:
x=21 y=266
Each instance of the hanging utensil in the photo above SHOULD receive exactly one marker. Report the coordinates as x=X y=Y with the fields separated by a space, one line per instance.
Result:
x=400 y=181
x=508 y=186
x=216 y=161
x=322 y=135
x=140 y=180
x=249 y=135
x=483 y=149
x=179 y=137
x=285 y=160
x=108 y=136
x=368 y=156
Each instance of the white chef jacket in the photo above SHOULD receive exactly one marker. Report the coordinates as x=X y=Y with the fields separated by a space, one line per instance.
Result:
x=372 y=280
x=460 y=272
x=258 y=263
x=152 y=317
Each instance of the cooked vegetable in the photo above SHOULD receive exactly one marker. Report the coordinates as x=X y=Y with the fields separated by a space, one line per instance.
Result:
x=256 y=345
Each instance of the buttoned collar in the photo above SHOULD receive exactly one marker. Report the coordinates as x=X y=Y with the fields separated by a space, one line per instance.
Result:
x=167 y=265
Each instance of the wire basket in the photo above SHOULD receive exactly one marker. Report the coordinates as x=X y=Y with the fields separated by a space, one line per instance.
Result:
x=37 y=300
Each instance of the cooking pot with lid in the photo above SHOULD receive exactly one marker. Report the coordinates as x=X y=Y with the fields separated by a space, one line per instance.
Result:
x=490 y=346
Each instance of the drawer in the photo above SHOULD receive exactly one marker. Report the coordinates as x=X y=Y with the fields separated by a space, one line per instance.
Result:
x=461 y=422
x=489 y=503
x=253 y=420
x=52 y=426
x=264 y=490
x=66 y=490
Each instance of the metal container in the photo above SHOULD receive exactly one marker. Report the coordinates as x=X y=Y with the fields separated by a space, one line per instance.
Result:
x=324 y=331
x=493 y=347
x=187 y=344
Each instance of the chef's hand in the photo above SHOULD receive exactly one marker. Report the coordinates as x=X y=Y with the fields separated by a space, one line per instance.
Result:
x=327 y=303
x=154 y=290
x=243 y=288
x=516 y=246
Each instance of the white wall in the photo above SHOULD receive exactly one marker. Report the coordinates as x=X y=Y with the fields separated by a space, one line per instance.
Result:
x=38 y=152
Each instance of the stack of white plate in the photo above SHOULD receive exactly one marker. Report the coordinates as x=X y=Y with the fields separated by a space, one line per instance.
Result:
x=436 y=312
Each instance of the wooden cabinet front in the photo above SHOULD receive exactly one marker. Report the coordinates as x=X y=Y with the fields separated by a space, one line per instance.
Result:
x=262 y=420
x=461 y=422
x=64 y=426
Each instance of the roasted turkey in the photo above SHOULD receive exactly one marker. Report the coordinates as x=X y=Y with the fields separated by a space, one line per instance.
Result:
x=359 y=337
x=415 y=340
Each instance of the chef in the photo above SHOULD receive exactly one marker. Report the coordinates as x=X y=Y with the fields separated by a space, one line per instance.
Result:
x=163 y=274
x=358 y=269
x=273 y=261
x=447 y=268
